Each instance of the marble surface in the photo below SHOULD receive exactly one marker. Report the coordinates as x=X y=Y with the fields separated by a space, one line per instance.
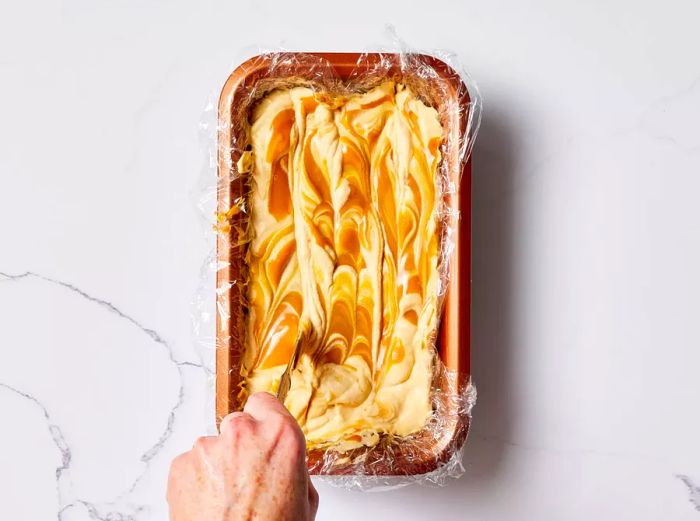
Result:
x=586 y=345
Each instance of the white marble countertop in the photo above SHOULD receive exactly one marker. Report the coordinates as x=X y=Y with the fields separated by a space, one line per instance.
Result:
x=586 y=337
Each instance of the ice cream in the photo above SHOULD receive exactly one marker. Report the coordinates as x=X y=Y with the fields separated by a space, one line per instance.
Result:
x=344 y=248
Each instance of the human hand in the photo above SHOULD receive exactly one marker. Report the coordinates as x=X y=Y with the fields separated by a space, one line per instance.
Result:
x=255 y=469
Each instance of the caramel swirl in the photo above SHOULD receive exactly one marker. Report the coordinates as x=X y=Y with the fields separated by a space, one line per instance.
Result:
x=344 y=248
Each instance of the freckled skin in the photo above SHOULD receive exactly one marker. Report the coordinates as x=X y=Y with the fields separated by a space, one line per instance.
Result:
x=254 y=469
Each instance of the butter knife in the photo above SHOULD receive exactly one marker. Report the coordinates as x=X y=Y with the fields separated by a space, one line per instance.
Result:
x=286 y=379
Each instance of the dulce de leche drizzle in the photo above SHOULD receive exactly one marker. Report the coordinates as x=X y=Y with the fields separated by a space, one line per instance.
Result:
x=345 y=247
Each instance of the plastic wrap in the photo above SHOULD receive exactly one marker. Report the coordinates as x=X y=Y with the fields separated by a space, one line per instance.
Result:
x=434 y=453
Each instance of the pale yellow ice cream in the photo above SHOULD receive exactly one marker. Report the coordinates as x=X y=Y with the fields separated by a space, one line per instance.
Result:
x=345 y=247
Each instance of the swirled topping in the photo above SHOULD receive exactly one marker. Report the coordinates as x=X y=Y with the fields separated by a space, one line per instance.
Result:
x=344 y=248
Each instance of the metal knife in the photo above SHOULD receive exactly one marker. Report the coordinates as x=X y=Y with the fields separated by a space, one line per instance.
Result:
x=286 y=379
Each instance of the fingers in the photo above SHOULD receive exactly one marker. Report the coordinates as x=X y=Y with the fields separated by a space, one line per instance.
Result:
x=203 y=443
x=280 y=425
x=263 y=405
x=313 y=499
x=236 y=420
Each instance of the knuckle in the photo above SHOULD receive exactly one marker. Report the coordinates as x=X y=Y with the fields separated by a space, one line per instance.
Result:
x=261 y=397
x=253 y=399
x=290 y=438
x=236 y=424
x=280 y=425
x=229 y=420
x=290 y=428
x=261 y=401
x=202 y=444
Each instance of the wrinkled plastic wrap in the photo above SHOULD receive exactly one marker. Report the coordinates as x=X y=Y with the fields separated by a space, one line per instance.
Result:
x=434 y=454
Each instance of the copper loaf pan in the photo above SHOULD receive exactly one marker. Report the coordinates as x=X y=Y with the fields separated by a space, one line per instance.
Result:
x=453 y=337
